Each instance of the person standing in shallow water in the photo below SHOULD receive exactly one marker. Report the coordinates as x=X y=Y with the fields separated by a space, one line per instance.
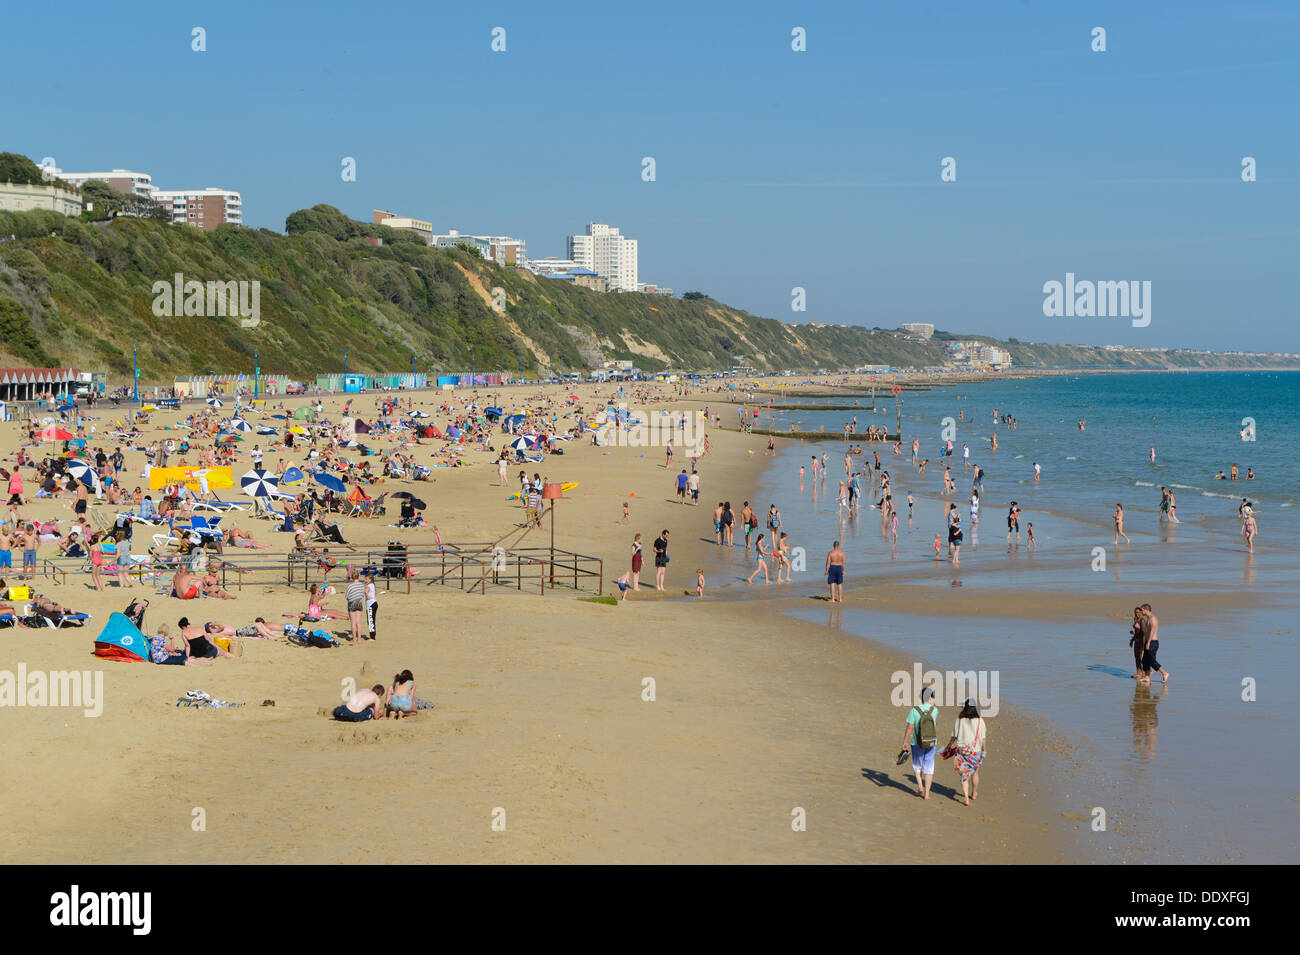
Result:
x=1151 y=630
x=1138 y=641
x=1119 y=525
x=835 y=561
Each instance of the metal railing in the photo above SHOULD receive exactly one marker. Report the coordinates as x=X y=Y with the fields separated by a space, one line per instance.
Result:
x=470 y=567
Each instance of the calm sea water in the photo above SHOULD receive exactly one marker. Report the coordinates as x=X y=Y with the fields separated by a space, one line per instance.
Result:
x=1189 y=773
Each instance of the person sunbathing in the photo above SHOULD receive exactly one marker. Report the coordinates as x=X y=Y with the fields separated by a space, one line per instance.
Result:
x=184 y=586
x=329 y=530
x=212 y=588
x=163 y=650
x=50 y=609
x=238 y=538
x=70 y=546
x=259 y=629
x=200 y=641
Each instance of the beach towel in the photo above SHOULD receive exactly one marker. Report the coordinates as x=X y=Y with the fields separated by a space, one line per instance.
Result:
x=199 y=699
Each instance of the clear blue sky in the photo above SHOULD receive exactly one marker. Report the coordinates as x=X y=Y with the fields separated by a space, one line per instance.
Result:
x=775 y=169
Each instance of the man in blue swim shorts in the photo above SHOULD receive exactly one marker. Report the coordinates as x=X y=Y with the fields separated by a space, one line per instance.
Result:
x=835 y=573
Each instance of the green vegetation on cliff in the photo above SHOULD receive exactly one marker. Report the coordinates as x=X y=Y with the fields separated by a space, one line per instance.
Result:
x=81 y=293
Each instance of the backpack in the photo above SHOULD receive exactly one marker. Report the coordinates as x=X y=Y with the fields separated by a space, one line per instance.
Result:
x=925 y=730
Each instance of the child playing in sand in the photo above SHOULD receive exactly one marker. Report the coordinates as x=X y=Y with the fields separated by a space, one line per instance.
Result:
x=699 y=582
x=627 y=516
x=623 y=584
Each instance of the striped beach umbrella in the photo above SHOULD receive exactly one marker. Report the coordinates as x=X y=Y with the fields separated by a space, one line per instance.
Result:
x=83 y=472
x=215 y=402
x=259 y=483
x=239 y=424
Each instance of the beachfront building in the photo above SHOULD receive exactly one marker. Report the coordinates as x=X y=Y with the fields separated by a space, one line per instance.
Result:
x=24 y=384
x=654 y=289
x=22 y=197
x=921 y=330
x=126 y=181
x=406 y=224
x=550 y=266
x=979 y=355
x=454 y=238
x=203 y=208
x=500 y=249
x=607 y=253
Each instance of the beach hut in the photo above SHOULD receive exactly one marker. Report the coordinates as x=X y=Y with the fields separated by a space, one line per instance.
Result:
x=121 y=640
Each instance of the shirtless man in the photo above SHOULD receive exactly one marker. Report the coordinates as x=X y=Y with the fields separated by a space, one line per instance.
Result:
x=29 y=539
x=1151 y=631
x=835 y=573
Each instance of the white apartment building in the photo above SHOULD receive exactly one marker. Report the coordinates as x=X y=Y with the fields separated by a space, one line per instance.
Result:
x=607 y=253
x=125 y=181
x=919 y=329
x=205 y=208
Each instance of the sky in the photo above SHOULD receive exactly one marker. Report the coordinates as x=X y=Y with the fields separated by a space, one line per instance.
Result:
x=774 y=169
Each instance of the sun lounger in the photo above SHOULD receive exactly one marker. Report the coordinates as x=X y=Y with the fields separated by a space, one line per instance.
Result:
x=56 y=621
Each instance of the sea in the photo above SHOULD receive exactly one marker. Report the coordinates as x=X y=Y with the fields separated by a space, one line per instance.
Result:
x=1202 y=770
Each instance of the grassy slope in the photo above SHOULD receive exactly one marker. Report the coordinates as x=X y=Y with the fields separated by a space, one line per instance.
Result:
x=85 y=297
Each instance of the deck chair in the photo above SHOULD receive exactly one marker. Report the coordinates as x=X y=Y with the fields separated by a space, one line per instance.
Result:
x=263 y=508
x=217 y=504
x=207 y=529
x=375 y=506
x=56 y=621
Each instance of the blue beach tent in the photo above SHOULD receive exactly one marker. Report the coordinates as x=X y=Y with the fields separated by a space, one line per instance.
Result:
x=121 y=640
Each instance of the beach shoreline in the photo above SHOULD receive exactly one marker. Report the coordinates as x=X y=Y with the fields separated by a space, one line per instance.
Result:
x=540 y=712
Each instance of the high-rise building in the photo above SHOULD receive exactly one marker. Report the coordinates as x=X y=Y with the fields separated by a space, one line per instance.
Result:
x=607 y=253
x=204 y=208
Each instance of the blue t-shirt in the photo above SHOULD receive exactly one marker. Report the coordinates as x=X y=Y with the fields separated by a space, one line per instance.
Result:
x=681 y=481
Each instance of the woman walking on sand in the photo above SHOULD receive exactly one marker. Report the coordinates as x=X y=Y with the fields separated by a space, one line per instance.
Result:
x=1119 y=525
x=636 y=562
x=969 y=742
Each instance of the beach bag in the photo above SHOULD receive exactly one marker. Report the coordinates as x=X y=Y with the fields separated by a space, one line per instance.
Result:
x=925 y=731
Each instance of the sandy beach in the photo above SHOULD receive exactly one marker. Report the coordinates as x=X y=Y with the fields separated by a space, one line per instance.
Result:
x=540 y=710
